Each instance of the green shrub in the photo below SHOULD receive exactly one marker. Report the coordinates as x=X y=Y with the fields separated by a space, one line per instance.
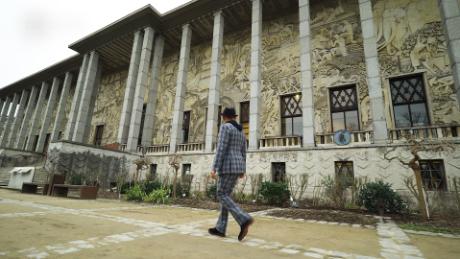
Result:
x=334 y=190
x=274 y=193
x=135 y=193
x=211 y=192
x=158 y=196
x=125 y=187
x=379 y=197
x=150 y=186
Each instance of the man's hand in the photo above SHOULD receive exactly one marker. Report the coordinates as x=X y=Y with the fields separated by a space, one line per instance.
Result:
x=213 y=174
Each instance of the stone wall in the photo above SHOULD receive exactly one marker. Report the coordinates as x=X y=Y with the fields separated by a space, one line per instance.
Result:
x=337 y=58
x=107 y=109
x=165 y=99
x=368 y=162
x=411 y=39
x=88 y=163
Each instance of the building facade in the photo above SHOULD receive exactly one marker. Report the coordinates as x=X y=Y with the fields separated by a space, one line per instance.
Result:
x=297 y=71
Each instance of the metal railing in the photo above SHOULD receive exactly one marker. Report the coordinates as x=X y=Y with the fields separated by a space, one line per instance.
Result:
x=283 y=142
x=425 y=132
x=357 y=137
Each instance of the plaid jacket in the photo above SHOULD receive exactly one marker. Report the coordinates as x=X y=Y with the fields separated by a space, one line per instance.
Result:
x=231 y=151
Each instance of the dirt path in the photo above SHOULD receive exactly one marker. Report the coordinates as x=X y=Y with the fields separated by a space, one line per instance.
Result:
x=46 y=227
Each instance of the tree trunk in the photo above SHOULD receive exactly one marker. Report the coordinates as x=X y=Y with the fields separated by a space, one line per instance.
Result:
x=174 y=184
x=422 y=200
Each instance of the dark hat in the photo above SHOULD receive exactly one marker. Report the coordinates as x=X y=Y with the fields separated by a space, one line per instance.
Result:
x=229 y=112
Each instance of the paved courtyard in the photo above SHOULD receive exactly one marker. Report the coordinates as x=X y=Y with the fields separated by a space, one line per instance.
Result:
x=33 y=226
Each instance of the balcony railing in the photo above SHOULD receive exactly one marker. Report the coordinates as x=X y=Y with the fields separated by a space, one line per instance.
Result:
x=190 y=147
x=122 y=147
x=155 y=149
x=280 y=142
x=357 y=137
x=425 y=132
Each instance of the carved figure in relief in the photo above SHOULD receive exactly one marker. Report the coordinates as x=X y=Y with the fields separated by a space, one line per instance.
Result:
x=329 y=14
x=347 y=31
x=423 y=53
x=340 y=48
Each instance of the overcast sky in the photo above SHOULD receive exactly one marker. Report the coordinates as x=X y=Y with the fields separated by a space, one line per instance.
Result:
x=35 y=33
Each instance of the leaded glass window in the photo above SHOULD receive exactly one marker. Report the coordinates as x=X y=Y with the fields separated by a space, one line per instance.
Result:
x=433 y=175
x=409 y=101
x=344 y=108
x=291 y=115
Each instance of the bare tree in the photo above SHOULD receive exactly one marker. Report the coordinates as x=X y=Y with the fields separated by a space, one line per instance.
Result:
x=141 y=164
x=174 y=163
x=415 y=147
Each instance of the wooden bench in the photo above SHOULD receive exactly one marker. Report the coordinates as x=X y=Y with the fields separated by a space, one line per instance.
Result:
x=42 y=188
x=75 y=191
x=35 y=188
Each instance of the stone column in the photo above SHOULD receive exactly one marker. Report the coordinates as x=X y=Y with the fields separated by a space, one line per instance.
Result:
x=147 y=134
x=17 y=120
x=255 y=75
x=2 y=104
x=70 y=128
x=373 y=72
x=450 y=12
x=4 y=114
x=123 y=128
x=21 y=139
x=308 y=109
x=60 y=114
x=181 y=84
x=48 y=114
x=9 y=120
x=141 y=84
x=81 y=125
x=36 y=117
x=214 y=84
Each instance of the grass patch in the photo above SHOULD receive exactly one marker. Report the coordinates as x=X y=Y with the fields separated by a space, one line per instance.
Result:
x=429 y=228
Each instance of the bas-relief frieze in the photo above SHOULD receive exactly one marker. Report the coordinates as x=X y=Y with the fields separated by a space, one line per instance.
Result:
x=411 y=39
x=337 y=57
x=196 y=97
x=280 y=69
x=165 y=99
x=107 y=109
x=235 y=69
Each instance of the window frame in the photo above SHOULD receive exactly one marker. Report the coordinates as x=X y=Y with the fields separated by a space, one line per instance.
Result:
x=184 y=172
x=141 y=125
x=344 y=110
x=186 y=132
x=425 y=92
x=443 y=186
x=96 y=131
x=337 y=172
x=291 y=117
x=275 y=178
x=244 y=122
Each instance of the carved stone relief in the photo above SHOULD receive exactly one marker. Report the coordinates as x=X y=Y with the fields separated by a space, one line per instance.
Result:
x=107 y=109
x=337 y=58
x=411 y=39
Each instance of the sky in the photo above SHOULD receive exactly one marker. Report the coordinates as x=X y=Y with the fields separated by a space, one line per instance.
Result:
x=36 y=33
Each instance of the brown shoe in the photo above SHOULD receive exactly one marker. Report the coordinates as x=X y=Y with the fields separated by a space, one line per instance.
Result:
x=244 y=229
x=215 y=232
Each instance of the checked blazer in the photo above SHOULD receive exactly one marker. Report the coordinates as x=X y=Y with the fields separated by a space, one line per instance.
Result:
x=231 y=151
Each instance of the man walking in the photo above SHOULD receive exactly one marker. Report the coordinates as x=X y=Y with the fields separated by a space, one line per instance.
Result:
x=230 y=164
